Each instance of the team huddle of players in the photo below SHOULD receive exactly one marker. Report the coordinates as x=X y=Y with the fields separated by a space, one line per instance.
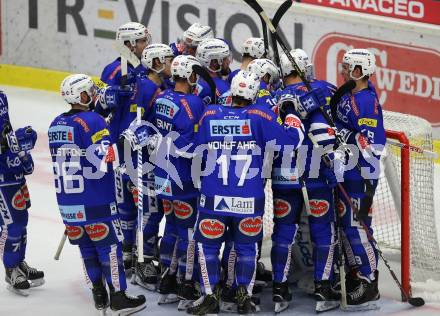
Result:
x=207 y=157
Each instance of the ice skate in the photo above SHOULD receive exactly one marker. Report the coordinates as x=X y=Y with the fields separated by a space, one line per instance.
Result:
x=187 y=294
x=245 y=306
x=35 y=277
x=167 y=288
x=363 y=296
x=281 y=296
x=100 y=297
x=228 y=304
x=326 y=297
x=122 y=304
x=263 y=277
x=146 y=274
x=206 y=305
x=17 y=281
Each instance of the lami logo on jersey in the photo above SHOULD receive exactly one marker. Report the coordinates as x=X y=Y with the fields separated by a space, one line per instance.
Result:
x=166 y=108
x=211 y=228
x=230 y=128
x=61 y=134
x=236 y=205
x=73 y=213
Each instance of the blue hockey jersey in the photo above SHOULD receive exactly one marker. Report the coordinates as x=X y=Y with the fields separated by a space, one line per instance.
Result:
x=11 y=168
x=79 y=144
x=223 y=92
x=305 y=162
x=360 y=122
x=176 y=115
x=237 y=141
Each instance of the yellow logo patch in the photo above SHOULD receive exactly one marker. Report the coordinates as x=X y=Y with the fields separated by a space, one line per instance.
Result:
x=368 y=122
x=99 y=135
x=263 y=93
x=133 y=109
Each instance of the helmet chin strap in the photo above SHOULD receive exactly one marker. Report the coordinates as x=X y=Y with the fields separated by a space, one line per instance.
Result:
x=354 y=78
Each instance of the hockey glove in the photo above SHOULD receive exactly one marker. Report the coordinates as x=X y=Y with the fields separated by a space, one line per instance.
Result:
x=23 y=139
x=111 y=97
x=309 y=102
x=136 y=135
x=27 y=162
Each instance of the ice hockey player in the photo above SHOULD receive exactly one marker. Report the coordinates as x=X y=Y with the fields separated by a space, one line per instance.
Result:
x=119 y=108
x=211 y=53
x=360 y=122
x=251 y=49
x=156 y=58
x=232 y=196
x=192 y=37
x=82 y=154
x=316 y=179
x=177 y=113
x=15 y=163
x=269 y=75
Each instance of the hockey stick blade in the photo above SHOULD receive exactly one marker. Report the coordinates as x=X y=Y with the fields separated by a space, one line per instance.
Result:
x=125 y=52
x=416 y=301
x=283 y=8
x=205 y=76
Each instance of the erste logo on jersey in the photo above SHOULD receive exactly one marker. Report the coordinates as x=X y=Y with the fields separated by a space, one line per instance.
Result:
x=211 y=228
x=319 y=208
x=166 y=108
x=73 y=213
x=230 y=127
x=281 y=208
x=182 y=209
x=251 y=226
x=236 y=205
x=61 y=134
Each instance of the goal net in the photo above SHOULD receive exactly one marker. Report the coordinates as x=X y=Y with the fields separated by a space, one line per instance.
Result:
x=403 y=208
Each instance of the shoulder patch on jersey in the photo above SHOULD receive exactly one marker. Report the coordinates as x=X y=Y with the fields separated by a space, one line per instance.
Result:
x=263 y=93
x=83 y=124
x=367 y=121
x=260 y=113
x=354 y=106
x=187 y=108
x=114 y=72
x=99 y=135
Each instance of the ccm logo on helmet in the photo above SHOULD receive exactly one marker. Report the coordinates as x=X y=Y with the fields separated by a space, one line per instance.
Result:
x=182 y=209
x=97 y=231
x=251 y=226
x=319 y=207
x=74 y=232
x=281 y=208
x=211 y=228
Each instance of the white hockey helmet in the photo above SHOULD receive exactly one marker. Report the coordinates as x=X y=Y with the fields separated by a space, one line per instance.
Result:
x=245 y=84
x=309 y=71
x=254 y=47
x=196 y=33
x=182 y=67
x=131 y=32
x=212 y=49
x=73 y=85
x=300 y=58
x=153 y=51
x=263 y=66
x=360 y=57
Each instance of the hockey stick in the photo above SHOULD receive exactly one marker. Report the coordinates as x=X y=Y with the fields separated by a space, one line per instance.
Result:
x=202 y=72
x=339 y=140
x=414 y=301
x=427 y=153
x=61 y=245
x=341 y=254
x=282 y=9
x=140 y=187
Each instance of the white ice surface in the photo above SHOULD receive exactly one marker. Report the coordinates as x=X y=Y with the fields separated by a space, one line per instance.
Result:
x=65 y=292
